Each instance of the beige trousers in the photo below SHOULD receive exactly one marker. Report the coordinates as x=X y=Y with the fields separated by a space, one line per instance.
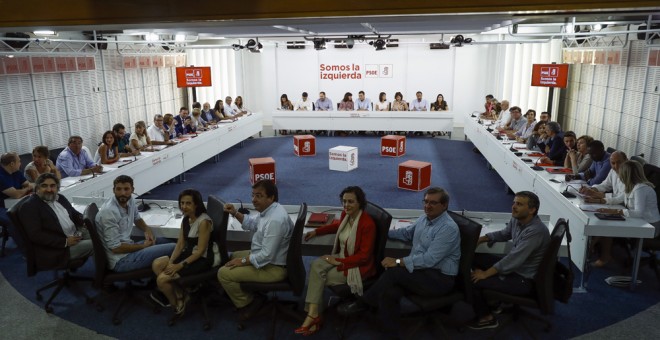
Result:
x=321 y=274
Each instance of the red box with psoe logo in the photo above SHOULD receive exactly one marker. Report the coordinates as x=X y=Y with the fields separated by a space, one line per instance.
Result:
x=414 y=175
x=262 y=168
x=304 y=145
x=393 y=146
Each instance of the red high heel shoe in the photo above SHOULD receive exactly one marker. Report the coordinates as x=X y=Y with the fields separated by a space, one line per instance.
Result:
x=316 y=324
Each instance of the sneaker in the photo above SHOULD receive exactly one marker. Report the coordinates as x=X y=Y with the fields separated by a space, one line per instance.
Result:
x=485 y=324
x=160 y=298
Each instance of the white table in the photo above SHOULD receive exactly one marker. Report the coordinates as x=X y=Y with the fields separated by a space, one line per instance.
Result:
x=518 y=175
x=153 y=168
x=364 y=120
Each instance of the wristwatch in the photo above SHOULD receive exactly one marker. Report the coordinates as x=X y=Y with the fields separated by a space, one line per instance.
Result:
x=398 y=262
x=244 y=260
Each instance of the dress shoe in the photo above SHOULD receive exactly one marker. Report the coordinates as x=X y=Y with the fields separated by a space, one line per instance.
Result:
x=352 y=308
x=312 y=328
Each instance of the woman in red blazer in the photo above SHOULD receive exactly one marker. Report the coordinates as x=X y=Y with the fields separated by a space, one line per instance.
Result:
x=352 y=258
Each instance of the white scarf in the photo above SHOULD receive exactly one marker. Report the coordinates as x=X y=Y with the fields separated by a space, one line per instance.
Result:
x=354 y=278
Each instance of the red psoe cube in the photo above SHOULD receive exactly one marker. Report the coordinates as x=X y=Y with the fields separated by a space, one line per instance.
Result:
x=414 y=175
x=393 y=146
x=262 y=168
x=304 y=145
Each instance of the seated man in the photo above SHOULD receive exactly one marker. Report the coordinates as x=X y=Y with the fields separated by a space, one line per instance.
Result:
x=266 y=259
x=53 y=226
x=419 y=104
x=515 y=123
x=74 y=160
x=513 y=273
x=179 y=120
x=304 y=104
x=611 y=190
x=323 y=103
x=429 y=270
x=600 y=165
x=115 y=222
x=555 y=150
x=123 y=141
x=363 y=103
x=505 y=115
x=229 y=110
x=157 y=132
x=12 y=184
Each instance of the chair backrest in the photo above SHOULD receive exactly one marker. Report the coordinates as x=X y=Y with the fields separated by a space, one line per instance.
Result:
x=100 y=257
x=383 y=220
x=54 y=153
x=544 y=280
x=294 y=263
x=610 y=149
x=470 y=231
x=652 y=173
x=215 y=210
x=21 y=237
x=639 y=159
x=26 y=158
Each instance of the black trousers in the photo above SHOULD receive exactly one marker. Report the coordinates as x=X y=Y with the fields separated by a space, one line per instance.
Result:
x=513 y=284
x=395 y=282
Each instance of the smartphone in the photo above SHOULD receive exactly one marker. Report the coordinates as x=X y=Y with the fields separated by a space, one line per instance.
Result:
x=554 y=181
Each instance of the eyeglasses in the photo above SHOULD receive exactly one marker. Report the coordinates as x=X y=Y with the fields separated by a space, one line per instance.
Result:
x=434 y=203
x=347 y=201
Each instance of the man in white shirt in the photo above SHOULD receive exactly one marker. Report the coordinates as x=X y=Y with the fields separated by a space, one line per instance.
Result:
x=229 y=110
x=611 y=190
x=157 y=132
x=505 y=115
x=304 y=104
x=419 y=104
x=362 y=104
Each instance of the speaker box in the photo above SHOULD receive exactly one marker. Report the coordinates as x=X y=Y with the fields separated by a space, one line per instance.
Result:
x=17 y=44
x=642 y=35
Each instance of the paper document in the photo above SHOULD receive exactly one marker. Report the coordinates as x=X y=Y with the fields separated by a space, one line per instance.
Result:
x=402 y=224
x=155 y=219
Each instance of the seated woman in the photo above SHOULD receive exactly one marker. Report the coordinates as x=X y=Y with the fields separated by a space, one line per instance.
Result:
x=40 y=164
x=578 y=159
x=139 y=139
x=640 y=201
x=285 y=104
x=526 y=130
x=383 y=104
x=170 y=125
x=188 y=126
x=192 y=254
x=238 y=106
x=352 y=256
x=537 y=139
x=440 y=104
x=108 y=151
x=346 y=104
x=219 y=111
x=399 y=104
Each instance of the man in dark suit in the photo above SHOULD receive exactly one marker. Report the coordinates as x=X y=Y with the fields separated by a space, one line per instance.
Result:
x=53 y=225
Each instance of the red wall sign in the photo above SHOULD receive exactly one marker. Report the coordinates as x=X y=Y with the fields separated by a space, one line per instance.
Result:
x=193 y=76
x=550 y=75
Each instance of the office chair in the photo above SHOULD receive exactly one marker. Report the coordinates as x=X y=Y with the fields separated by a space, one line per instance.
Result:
x=295 y=281
x=639 y=159
x=205 y=284
x=652 y=246
x=383 y=220
x=54 y=153
x=428 y=306
x=542 y=295
x=25 y=245
x=105 y=277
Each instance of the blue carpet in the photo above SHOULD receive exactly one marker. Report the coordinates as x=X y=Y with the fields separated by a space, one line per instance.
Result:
x=454 y=167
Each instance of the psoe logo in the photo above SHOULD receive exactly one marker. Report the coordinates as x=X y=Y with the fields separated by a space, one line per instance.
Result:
x=259 y=177
x=408 y=178
x=352 y=161
x=401 y=144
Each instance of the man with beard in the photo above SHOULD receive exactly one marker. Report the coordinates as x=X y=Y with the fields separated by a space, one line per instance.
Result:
x=115 y=222
x=53 y=225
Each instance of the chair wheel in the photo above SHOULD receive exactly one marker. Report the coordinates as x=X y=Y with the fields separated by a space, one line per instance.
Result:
x=206 y=326
x=49 y=309
x=39 y=297
x=116 y=321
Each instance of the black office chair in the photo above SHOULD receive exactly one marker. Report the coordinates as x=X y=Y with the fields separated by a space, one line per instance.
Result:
x=104 y=277
x=652 y=246
x=428 y=306
x=205 y=284
x=54 y=153
x=383 y=220
x=639 y=159
x=295 y=281
x=542 y=296
x=25 y=245
x=610 y=149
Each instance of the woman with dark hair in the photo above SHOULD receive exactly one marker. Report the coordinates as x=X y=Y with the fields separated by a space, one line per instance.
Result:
x=139 y=139
x=108 y=151
x=399 y=104
x=578 y=159
x=347 y=104
x=352 y=258
x=219 y=110
x=537 y=139
x=440 y=104
x=285 y=104
x=40 y=164
x=383 y=104
x=238 y=105
x=192 y=254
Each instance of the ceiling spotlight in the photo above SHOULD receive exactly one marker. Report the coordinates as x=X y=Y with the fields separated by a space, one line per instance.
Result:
x=237 y=47
x=254 y=45
x=319 y=44
x=350 y=42
x=458 y=40
x=379 y=44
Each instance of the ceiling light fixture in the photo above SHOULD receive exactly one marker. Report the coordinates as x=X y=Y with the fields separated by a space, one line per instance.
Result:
x=379 y=44
x=319 y=44
x=44 y=33
x=254 y=46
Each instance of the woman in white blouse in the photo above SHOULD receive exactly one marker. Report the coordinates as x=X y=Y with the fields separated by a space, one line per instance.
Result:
x=383 y=104
x=640 y=201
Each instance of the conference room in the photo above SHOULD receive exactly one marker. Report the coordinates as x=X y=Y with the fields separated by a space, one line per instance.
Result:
x=85 y=76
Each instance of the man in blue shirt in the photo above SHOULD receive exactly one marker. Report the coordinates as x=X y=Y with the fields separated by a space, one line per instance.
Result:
x=429 y=270
x=513 y=273
x=600 y=166
x=180 y=120
x=266 y=259
x=323 y=103
x=12 y=184
x=74 y=160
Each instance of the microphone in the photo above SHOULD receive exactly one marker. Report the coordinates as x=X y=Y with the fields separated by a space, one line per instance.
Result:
x=536 y=167
x=242 y=210
x=142 y=207
x=567 y=194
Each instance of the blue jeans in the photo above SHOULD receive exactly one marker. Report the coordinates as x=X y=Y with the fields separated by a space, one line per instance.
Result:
x=143 y=258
